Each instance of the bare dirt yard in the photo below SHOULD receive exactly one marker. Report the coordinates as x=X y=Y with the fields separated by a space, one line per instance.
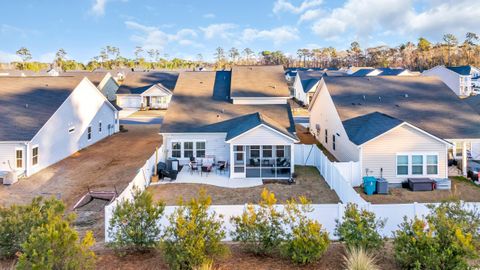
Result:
x=304 y=135
x=108 y=165
x=461 y=189
x=240 y=260
x=309 y=183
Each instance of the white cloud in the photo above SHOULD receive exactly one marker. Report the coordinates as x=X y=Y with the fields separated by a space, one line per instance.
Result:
x=311 y=14
x=98 y=7
x=6 y=57
x=278 y=36
x=286 y=6
x=151 y=37
x=221 y=30
x=209 y=16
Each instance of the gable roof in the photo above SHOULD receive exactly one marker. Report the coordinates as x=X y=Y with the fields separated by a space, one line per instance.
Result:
x=473 y=102
x=363 y=128
x=201 y=104
x=462 y=70
x=391 y=71
x=425 y=102
x=27 y=103
x=258 y=81
x=362 y=72
x=247 y=122
x=135 y=83
x=308 y=79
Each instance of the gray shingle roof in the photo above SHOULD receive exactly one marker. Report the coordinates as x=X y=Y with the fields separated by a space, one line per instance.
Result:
x=259 y=81
x=390 y=71
x=474 y=102
x=27 y=103
x=425 y=102
x=138 y=82
x=309 y=79
x=366 y=127
x=201 y=104
x=95 y=77
x=362 y=72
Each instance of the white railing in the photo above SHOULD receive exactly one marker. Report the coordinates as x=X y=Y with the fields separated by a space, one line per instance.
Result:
x=140 y=182
x=340 y=176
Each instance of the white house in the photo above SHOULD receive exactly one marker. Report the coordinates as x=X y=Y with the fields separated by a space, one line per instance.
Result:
x=255 y=137
x=305 y=84
x=365 y=72
x=459 y=79
x=46 y=119
x=152 y=90
x=396 y=127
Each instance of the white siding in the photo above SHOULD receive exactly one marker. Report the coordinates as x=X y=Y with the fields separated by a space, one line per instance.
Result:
x=84 y=107
x=324 y=113
x=261 y=136
x=108 y=87
x=298 y=89
x=214 y=143
x=8 y=156
x=381 y=152
x=129 y=101
x=450 y=78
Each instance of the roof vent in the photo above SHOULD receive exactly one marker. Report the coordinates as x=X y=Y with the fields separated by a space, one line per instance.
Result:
x=364 y=97
x=406 y=95
x=46 y=84
x=379 y=98
x=26 y=105
x=201 y=82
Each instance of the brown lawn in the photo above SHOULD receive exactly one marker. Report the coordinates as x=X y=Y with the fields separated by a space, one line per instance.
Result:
x=461 y=189
x=309 y=183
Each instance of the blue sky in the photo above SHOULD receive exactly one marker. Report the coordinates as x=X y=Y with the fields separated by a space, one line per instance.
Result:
x=183 y=28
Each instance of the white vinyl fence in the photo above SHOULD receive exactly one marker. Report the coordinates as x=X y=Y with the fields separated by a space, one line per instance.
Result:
x=326 y=214
x=340 y=176
x=140 y=182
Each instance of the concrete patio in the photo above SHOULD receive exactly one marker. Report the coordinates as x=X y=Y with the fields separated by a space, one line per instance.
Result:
x=213 y=178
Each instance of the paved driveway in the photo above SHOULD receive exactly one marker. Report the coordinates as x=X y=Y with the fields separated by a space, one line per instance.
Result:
x=106 y=165
x=153 y=117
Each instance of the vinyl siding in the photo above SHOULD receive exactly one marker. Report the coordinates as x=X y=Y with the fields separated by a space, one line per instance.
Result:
x=260 y=101
x=324 y=113
x=129 y=101
x=382 y=152
x=84 y=107
x=214 y=143
x=450 y=78
x=109 y=88
x=8 y=158
x=261 y=136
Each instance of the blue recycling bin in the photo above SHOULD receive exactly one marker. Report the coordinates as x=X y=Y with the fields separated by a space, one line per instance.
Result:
x=369 y=184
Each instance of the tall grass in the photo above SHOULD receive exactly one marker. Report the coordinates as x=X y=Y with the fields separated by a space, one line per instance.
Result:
x=359 y=259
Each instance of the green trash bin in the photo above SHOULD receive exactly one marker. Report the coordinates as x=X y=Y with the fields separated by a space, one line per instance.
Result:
x=369 y=184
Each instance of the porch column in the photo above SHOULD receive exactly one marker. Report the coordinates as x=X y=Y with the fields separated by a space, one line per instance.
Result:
x=292 y=158
x=231 y=160
x=464 y=158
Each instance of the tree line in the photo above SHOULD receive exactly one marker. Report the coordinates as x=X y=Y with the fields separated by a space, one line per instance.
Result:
x=419 y=56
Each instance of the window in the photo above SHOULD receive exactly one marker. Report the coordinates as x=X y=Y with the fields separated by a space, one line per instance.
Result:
x=402 y=165
x=35 y=155
x=71 y=130
x=19 y=158
x=417 y=165
x=200 y=149
x=267 y=151
x=89 y=133
x=432 y=164
x=326 y=136
x=280 y=151
x=333 y=142
x=176 y=150
x=187 y=149
x=255 y=151
x=99 y=127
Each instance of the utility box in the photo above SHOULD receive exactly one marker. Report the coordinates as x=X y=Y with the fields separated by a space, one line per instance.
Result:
x=382 y=186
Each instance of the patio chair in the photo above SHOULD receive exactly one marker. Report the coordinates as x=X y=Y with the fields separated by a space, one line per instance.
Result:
x=206 y=169
x=222 y=166
x=193 y=167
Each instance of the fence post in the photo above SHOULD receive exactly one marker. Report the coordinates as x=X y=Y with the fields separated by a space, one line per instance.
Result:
x=415 y=209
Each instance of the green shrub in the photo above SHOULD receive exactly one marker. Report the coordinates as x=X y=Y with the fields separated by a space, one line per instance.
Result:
x=134 y=223
x=18 y=221
x=194 y=235
x=360 y=228
x=359 y=259
x=55 y=245
x=306 y=242
x=445 y=239
x=260 y=229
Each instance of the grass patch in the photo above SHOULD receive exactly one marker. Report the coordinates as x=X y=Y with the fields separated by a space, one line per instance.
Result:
x=465 y=180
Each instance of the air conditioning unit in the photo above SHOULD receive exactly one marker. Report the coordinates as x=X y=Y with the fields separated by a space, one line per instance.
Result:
x=8 y=178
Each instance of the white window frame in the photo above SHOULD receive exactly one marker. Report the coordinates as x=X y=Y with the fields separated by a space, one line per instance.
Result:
x=37 y=156
x=100 y=128
x=182 y=150
x=23 y=157
x=424 y=170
